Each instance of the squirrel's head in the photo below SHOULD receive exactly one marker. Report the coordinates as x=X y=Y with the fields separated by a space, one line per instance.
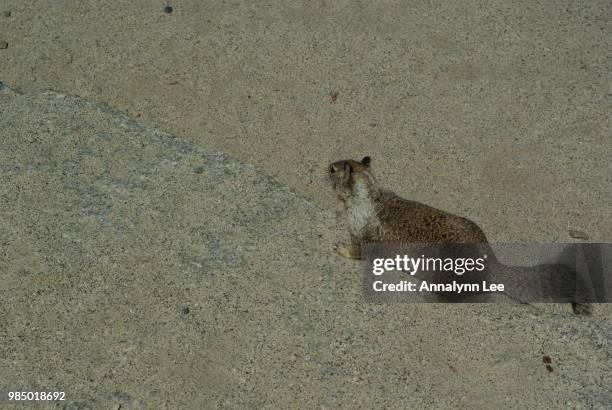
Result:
x=352 y=178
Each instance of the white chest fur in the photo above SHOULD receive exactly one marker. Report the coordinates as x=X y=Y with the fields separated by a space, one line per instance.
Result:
x=361 y=213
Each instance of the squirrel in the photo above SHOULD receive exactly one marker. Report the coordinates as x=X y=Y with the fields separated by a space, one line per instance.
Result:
x=377 y=215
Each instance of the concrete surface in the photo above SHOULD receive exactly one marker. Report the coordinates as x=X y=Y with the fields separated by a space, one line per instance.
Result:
x=111 y=229
x=138 y=270
x=498 y=110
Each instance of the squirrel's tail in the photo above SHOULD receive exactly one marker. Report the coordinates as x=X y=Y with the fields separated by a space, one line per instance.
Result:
x=545 y=283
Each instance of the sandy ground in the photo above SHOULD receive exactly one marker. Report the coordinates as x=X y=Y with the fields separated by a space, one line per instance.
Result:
x=498 y=111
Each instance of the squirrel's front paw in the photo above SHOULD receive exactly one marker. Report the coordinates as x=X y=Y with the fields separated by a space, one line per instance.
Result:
x=348 y=251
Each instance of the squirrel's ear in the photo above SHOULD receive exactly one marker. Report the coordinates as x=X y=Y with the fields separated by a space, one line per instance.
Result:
x=366 y=161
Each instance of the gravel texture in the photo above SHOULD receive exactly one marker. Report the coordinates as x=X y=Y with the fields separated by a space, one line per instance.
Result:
x=497 y=110
x=139 y=270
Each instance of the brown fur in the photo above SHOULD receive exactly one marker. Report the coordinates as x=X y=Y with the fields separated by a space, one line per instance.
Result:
x=376 y=215
x=392 y=218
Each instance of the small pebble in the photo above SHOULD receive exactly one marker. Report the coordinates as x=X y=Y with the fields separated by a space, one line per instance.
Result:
x=7 y=13
x=333 y=96
x=578 y=234
x=168 y=9
x=3 y=45
x=186 y=310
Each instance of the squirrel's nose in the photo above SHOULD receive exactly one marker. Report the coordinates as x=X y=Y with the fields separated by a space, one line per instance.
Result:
x=332 y=169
